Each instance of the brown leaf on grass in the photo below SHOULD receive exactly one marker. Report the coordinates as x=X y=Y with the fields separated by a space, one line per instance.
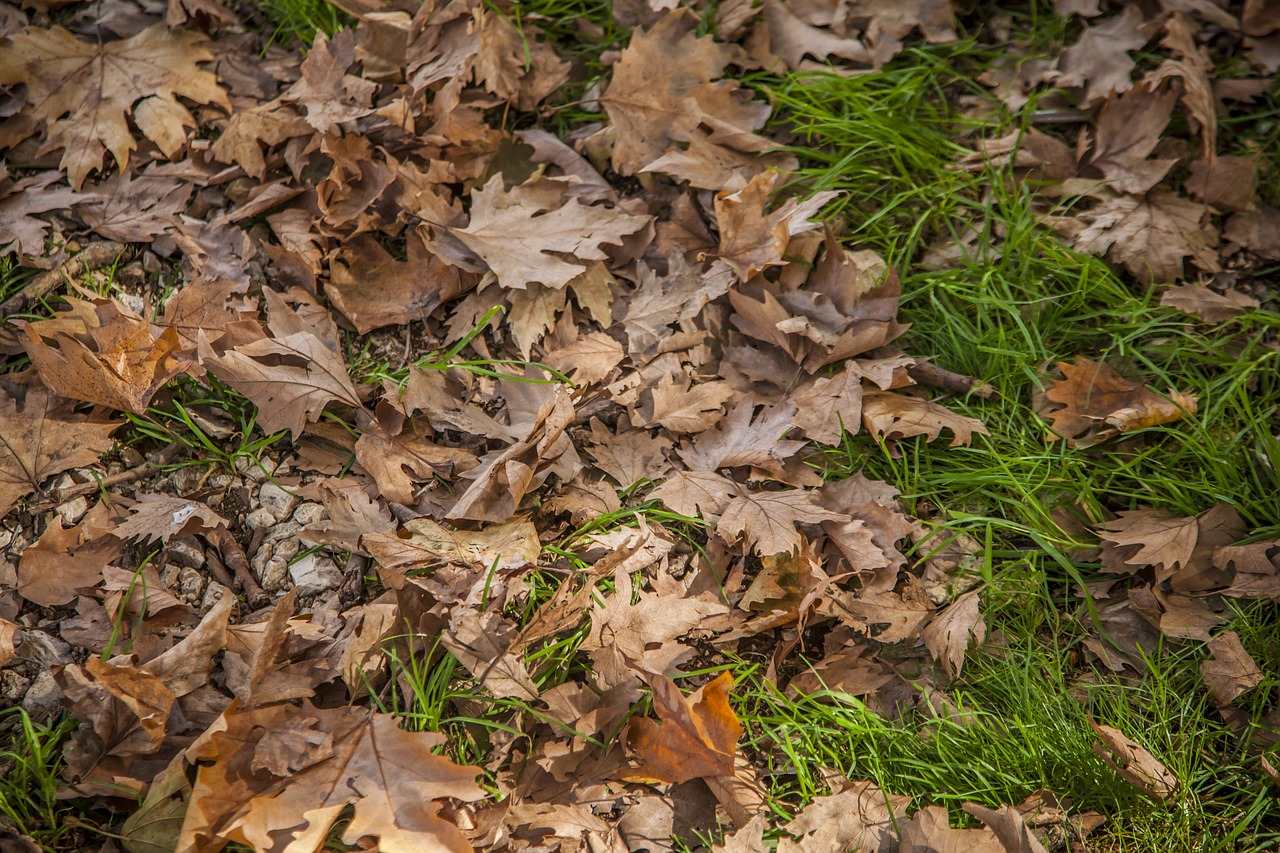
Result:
x=20 y=200
x=630 y=455
x=277 y=777
x=860 y=817
x=1129 y=129
x=745 y=437
x=516 y=231
x=1133 y=763
x=102 y=353
x=1151 y=235
x=588 y=360
x=1009 y=826
x=82 y=92
x=161 y=517
x=766 y=521
x=1093 y=403
x=290 y=379
x=662 y=90
x=1161 y=541
x=41 y=437
x=373 y=289
x=949 y=634
x=205 y=304
x=1256 y=230
x=886 y=617
x=751 y=240
x=929 y=831
x=1230 y=671
x=1208 y=305
x=829 y=406
x=696 y=494
x=1100 y=58
x=896 y=416
x=697 y=737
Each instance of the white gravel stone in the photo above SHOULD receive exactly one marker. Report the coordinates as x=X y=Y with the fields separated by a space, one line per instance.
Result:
x=309 y=513
x=314 y=574
x=260 y=519
x=43 y=699
x=277 y=501
x=185 y=553
x=73 y=510
x=212 y=595
x=190 y=585
x=275 y=574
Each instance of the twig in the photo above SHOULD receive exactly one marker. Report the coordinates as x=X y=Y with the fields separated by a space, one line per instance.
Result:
x=928 y=373
x=129 y=475
x=94 y=256
x=233 y=555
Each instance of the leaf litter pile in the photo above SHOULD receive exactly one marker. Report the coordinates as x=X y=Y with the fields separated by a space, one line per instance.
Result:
x=389 y=464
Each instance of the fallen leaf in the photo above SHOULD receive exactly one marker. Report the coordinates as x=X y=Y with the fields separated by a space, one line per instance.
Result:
x=1094 y=403
x=684 y=408
x=697 y=737
x=1133 y=763
x=81 y=92
x=41 y=437
x=515 y=231
x=373 y=290
x=161 y=517
x=896 y=416
x=949 y=634
x=424 y=544
x=1100 y=58
x=340 y=757
x=751 y=240
x=1128 y=131
x=1151 y=235
x=766 y=521
x=1230 y=671
x=1208 y=305
x=929 y=831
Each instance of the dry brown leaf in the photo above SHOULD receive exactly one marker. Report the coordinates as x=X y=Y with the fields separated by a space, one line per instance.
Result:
x=662 y=90
x=767 y=521
x=66 y=560
x=1129 y=129
x=929 y=831
x=396 y=453
x=1227 y=183
x=696 y=739
x=277 y=777
x=1133 y=763
x=895 y=416
x=1100 y=58
x=588 y=360
x=515 y=231
x=751 y=240
x=1208 y=305
x=1151 y=235
x=887 y=617
x=696 y=494
x=1009 y=826
x=135 y=210
x=290 y=379
x=161 y=517
x=1231 y=670
x=102 y=353
x=660 y=301
x=861 y=817
x=745 y=437
x=425 y=544
x=1095 y=403
x=683 y=408
x=81 y=92
x=41 y=437
x=949 y=634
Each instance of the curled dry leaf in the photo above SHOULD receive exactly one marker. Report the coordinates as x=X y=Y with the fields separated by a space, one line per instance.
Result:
x=1095 y=403
x=949 y=634
x=895 y=416
x=1133 y=763
x=423 y=543
x=696 y=739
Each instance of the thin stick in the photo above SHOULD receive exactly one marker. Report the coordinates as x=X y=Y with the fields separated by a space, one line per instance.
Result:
x=94 y=256
x=928 y=373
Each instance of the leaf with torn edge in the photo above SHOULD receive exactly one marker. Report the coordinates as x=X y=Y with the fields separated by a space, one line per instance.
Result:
x=1095 y=403
x=1133 y=763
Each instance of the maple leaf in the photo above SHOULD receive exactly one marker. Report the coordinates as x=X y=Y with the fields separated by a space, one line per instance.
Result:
x=393 y=450
x=82 y=92
x=662 y=90
x=41 y=437
x=696 y=739
x=1095 y=403
x=1128 y=131
x=1151 y=235
x=290 y=379
x=683 y=408
x=277 y=777
x=515 y=231
x=768 y=519
x=67 y=559
x=134 y=209
x=1100 y=59
x=888 y=617
x=859 y=817
x=19 y=200
x=696 y=493
x=104 y=354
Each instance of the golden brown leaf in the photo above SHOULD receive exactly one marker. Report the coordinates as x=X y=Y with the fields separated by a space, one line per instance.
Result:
x=697 y=737
x=1133 y=763
x=1095 y=403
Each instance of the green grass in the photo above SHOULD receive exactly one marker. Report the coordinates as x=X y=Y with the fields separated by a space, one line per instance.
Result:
x=30 y=761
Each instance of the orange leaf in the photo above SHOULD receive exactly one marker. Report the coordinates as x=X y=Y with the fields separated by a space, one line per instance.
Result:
x=696 y=738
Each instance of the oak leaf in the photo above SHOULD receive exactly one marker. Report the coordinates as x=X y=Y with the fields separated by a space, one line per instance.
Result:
x=516 y=231
x=950 y=633
x=67 y=559
x=41 y=437
x=1231 y=670
x=696 y=494
x=1208 y=305
x=629 y=456
x=696 y=739
x=104 y=354
x=161 y=517
x=82 y=92
x=1133 y=763
x=277 y=777
x=662 y=91
x=424 y=544
x=1100 y=58
x=1093 y=403
x=683 y=408
x=767 y=520
x=290 y=379
x=751 y=240
x=1151 y=235
x=894 y=416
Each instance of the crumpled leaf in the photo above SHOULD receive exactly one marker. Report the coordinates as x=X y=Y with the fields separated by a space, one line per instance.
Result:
x=1095 y=403
x=276 y=777
x=81 y=92
x=950 y=633
x=751 y=240
x=499 y=547
x=696 y=739
x=1231 y=670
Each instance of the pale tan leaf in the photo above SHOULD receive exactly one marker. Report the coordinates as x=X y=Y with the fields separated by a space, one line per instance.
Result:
x=767 y=520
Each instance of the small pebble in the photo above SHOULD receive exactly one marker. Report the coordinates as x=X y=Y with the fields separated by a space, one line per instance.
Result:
x=212 y=595
x=185 y=552
x=277 y=501
x=309 y=513
x=275 y=574
x=314 y=574
x=260 y=519
x=190 y=585
x=44 y=697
